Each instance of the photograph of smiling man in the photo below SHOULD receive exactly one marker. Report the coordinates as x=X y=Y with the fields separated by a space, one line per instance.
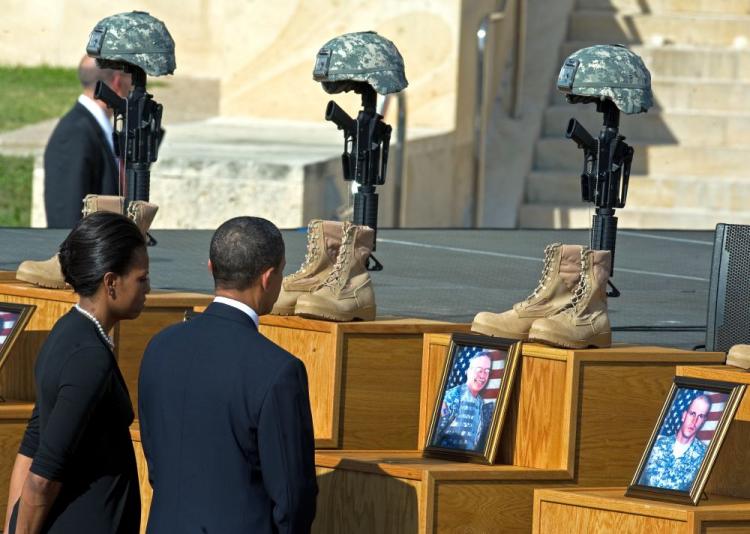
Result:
x=469 y=401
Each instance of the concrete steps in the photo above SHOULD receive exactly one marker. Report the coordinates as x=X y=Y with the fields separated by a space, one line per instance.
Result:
x=687 y=128
x=647 y=191
x=562 y=155
x=734 y=7
x=667 y=28
x=541 y=216
x=690 y=168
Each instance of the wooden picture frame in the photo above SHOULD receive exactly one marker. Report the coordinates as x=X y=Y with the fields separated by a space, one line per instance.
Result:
x=686 y=440
x=13 y=319
x=473 y=399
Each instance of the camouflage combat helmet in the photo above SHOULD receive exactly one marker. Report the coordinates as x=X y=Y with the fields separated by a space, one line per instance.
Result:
x=135 y=38
x=360 y=57
x=607 y=71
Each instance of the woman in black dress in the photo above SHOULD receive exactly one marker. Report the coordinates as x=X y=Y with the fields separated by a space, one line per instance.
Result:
x=75 y=471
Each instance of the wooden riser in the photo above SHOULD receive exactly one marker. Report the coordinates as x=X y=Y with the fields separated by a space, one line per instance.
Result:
x=364 y=377
x=607 y=510
x=131 y=337
x=569 y=424
x=730 y=475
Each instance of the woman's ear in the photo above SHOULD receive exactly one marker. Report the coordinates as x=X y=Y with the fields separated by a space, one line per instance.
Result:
x=110 y=285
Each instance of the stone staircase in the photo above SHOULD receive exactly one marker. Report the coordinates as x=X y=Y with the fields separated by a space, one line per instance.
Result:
x=692 y=149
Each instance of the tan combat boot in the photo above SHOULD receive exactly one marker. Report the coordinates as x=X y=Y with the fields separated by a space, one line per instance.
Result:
x=48 y=273
x=142 y=213
x=347 y=293
x=323 y=243
x=739 y=356
x=560 y=276
x=94 y=203
x=585 y=321
x=45 y=273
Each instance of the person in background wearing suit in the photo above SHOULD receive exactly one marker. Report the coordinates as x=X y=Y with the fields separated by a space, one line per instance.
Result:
x=225 y=413
x=80 y=158
x=75 y=471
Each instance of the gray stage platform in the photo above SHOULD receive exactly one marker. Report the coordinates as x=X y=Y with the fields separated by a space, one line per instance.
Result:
x=452 y=274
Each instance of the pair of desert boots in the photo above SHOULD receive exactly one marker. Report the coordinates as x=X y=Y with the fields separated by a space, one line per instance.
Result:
x=333 y=282
x=567 y=309
x=47 y=273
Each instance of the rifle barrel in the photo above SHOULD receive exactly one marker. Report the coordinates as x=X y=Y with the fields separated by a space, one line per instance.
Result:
x=339 y=117
x=578 y=133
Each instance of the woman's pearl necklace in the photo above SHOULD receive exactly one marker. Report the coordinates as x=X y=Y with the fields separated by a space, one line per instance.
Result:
x=104 y=335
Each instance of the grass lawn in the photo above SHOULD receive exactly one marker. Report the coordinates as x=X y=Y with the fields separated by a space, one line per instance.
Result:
x=29 y=95
x=15 y=183
x=33 y=94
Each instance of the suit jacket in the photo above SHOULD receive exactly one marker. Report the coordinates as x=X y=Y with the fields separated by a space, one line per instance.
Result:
x=226 y=428
x=77 y=161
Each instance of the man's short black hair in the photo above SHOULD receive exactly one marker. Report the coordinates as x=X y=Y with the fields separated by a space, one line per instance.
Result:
x=241 y=249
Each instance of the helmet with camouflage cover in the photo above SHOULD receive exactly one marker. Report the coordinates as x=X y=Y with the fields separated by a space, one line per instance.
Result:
x=360 y=57
x=135 y=38
x=607 y=72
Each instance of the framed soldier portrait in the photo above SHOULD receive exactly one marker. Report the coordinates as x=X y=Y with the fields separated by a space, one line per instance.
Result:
x=473 y=398
x=686 y=440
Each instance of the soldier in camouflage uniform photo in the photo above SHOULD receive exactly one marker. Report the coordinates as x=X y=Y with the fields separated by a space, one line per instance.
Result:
x=675 y=459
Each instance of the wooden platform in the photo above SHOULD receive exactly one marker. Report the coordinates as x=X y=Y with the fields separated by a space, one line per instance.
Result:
x=725 y=507
x=17 y=376
x=730 y=475
x=607 y=511
x=364 y=376
x=13 y=419
x=570 y=423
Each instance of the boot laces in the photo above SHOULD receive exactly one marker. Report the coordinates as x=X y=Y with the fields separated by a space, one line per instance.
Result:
x=132 y=212
x=548 y=252
x=311 y=255
x=582 y=289
x=334 y=278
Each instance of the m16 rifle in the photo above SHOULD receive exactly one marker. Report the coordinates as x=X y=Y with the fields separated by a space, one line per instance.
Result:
x=365 y=157
x=606 y=173
x=368 y=64
x=141 y=45
x=137 y=132
x=615 y=79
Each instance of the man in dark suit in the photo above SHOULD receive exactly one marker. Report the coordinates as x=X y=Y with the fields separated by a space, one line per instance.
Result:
x=79 y=158
x=224 y=412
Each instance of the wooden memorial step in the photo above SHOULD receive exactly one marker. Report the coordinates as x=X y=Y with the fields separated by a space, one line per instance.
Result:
x=577 y=417
x=730 y=475
x=364 y=376
x=607 y=510
x=14 y=415
x=162 y=309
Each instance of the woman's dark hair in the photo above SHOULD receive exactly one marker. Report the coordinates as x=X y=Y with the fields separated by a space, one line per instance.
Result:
x=100 y=243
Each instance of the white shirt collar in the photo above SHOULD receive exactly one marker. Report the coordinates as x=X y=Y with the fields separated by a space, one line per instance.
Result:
x=240 y=306
x=101 y=117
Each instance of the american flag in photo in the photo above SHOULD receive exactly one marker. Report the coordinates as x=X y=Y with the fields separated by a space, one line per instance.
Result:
x=464 y=353
x=7 y=322
x=683 y=399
